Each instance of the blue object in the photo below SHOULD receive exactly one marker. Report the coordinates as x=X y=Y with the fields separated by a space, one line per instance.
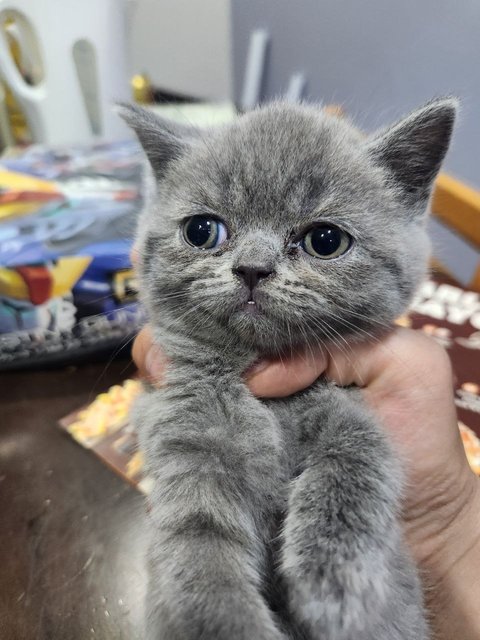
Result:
x=54 y=307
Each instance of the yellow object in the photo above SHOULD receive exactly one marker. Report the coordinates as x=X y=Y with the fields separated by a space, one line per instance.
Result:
x=125 y=285
x=472 y=447
x=403 y=321
x=135 y=464
x=19 y=126
x=142 y=89
x=65 y=273
x=107 y=413
x=458 y=206
x=12 y=181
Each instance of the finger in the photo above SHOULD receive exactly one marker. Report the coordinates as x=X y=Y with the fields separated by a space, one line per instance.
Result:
x=401 y=355
x=281 y=378
x=148 y=357
x=134 y=255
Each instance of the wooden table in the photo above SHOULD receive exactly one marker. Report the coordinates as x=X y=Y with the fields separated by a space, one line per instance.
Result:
x=72 y=534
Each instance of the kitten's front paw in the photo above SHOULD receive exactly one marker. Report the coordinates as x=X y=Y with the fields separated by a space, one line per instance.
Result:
x=216 y=612
x=233 y=626
x=337 y=602
x=362 y=598
x=346 y=579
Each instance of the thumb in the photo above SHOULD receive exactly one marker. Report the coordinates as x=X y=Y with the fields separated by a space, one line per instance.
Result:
x=148 y=357
x=281 y=378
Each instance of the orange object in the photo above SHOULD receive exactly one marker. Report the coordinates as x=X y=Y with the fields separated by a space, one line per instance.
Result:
x=29 y=196
x=472 y=447
x=39 y=283
x=458 y=206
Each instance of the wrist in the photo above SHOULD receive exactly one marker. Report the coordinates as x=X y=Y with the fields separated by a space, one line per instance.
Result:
x=453 y=599
x=450 y=567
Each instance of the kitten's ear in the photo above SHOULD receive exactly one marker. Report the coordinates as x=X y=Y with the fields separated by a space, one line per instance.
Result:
x=413 y=149
x=162 y=140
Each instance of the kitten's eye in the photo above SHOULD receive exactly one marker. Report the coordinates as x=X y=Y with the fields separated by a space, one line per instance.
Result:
x=326 y=242
x=204 y=232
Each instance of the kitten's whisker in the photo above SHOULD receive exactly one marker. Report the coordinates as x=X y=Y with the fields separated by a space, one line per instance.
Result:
x=369 y=318
x=353 y=326
x=392 y=354
x=307 y=341
x=328 y=329
x=173 y=296
x=111 y=358
x=290 y=337
x=321 y=300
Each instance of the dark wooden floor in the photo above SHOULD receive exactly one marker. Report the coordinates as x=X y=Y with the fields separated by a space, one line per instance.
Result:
x=72 y=534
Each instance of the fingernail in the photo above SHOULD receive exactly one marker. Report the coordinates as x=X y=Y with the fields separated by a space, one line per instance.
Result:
x=155 y=363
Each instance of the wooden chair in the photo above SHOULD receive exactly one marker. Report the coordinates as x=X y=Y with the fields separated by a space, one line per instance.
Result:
x=458 y=207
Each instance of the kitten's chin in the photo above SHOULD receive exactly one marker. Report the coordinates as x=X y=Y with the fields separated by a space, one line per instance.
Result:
x=250 y=308
x=257 y=331
x=248 y=319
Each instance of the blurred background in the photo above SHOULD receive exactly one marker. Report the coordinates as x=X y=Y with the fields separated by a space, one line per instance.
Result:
x=70 y=174
x=378 y=59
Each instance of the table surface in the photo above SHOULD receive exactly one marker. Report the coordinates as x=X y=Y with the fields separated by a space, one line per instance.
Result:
x=72 y=533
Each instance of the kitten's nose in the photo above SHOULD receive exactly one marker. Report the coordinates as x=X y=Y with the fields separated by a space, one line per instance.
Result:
x=252 y=275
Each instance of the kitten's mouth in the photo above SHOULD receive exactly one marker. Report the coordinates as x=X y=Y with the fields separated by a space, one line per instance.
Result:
x=250 y=307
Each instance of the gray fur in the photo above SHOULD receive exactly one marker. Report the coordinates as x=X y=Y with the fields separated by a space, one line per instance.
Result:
x=278 y=519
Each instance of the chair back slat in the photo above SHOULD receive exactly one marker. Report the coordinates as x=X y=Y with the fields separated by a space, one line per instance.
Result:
x=458 y=206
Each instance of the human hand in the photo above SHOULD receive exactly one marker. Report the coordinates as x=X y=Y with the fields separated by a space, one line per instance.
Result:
x=406 y=380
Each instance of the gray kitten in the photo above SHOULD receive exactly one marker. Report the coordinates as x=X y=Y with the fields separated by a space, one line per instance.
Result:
x=287 y=229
